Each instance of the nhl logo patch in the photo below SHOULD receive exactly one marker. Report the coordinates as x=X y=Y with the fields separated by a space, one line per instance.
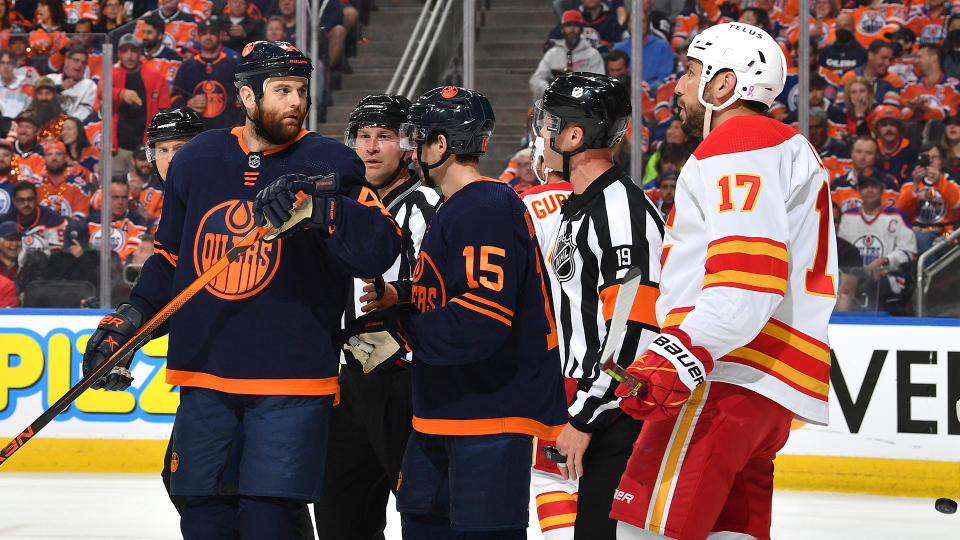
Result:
x=577 y=92
x=562 y=261
x=253 y=160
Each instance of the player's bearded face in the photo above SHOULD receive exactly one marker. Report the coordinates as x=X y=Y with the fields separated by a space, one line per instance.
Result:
x=691 y=111
x=283 y=108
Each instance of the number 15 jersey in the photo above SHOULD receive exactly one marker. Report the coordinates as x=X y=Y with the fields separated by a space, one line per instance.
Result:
x=749 y=262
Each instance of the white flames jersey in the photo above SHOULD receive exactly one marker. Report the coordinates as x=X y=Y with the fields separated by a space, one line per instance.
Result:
x=544 y=203
x=887 y=234
x=750 y=262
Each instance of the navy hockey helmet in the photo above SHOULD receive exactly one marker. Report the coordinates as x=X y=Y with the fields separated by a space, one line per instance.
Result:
x=384 y=110
x=261 y=60
x=463 y=116
x=170 y=124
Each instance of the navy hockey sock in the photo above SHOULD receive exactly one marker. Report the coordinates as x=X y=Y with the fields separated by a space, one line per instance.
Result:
x=210 y=518
x=269 y=517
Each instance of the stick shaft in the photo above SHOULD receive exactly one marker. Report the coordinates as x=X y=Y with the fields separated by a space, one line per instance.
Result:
x=135 y=342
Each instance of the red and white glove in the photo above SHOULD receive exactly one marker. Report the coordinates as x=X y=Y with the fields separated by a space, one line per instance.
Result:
x=671 y=369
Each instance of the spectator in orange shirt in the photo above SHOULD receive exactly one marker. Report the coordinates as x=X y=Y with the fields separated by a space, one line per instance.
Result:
x=58 y=189
x=929 y=23
x=934 y=96
x=126 y=226
x=930 y=200
x=950 y=141
x=886 y=85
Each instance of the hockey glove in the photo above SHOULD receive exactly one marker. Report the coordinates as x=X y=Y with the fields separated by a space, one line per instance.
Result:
x=318 y=198
x=114 y=330
x=376 y=341
x=670 y=369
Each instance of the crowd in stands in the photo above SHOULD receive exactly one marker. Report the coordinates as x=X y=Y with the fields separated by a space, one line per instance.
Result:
x=884 y=114
x=168 y=53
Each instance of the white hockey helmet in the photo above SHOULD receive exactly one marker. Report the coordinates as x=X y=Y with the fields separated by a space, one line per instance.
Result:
x=749 y=52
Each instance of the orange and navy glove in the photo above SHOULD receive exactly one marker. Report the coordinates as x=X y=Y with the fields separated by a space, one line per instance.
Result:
x=114 y=330
x=670 y=369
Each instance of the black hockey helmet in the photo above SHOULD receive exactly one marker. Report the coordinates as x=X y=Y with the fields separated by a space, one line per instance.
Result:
x=384 y=110
x=169 y=124
x=261 y=60
x=464 y=116
x=599 y=104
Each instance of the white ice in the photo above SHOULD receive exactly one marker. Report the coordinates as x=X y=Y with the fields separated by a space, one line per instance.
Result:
x=56 y=506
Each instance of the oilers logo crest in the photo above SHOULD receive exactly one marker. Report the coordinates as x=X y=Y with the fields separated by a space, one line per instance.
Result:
x=220 y=228
x=34 y=240
x=564 y=265
x=871 y=23
x=6 y=202
x=428 y=289
x=117 y=239
x=216 y=96
x=870 y=246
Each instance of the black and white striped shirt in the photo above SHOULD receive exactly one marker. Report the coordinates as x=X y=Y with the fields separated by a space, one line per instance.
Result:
x=412 y=206
x=609 y=228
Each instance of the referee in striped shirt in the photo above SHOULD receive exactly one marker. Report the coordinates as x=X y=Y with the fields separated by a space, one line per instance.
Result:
x=370 y=427
x=608 y=226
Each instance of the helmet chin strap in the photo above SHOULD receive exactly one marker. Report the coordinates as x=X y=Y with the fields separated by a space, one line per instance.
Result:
x=707 y=119
x=404 y=163
x=425 y=168
x=566 y=155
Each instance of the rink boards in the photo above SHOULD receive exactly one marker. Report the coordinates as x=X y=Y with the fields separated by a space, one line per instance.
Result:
x=894 y=426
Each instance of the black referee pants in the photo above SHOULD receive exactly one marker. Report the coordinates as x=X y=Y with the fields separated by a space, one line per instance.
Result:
x=603 y=464
x=368 y=434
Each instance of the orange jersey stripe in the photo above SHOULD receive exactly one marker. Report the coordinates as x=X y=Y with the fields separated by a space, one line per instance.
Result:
x=170 y=257
x=485 y=426
x=676 y=316
x=481 y=310
x=756 y=245
x=747 y=281
x=790 y=355
x=490 y=303
x=644 y=309
x=257 y=387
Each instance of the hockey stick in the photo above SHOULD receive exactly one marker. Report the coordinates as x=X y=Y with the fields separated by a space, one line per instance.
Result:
x=143 y=335
x=629 y=286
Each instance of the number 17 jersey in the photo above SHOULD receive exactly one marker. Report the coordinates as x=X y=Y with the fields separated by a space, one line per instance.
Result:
x=749 y=262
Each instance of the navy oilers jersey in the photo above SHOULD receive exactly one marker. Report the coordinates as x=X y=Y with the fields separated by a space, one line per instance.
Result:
x=265 y=325
x=485 y=356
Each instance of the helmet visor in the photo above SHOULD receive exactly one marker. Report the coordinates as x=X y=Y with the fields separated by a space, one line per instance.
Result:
x=411 y=135
x=370 y=136
x=151 y=152
x=544 y=119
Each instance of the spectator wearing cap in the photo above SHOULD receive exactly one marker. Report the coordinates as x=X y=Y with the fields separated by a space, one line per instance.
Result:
x=933 y=95
x=59 y=189
x=205 y=83
x=950 y=141
x=886 y=85
x=26 y=129
x=78 y=94
x=845 y=53
x=138 y=93
x=241 y=27
x=157 y=54
x=930 y=200
x=863 y=157
x=569 y=54
x=886 y=243
x=662 y=194
x=41 y=227
x=11 y=243
x=600 y=17
x=15 y=92
x=658 y=61
x=897 y=155
x=929 y=22
x=46 y=108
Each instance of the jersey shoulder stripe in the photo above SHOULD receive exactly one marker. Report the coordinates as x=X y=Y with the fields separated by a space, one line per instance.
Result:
x=744 y=134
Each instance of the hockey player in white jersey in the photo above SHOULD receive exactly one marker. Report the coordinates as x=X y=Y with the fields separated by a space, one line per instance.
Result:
x=556 y=496
x=887 y=245
x=608 y=227
x=746 y=296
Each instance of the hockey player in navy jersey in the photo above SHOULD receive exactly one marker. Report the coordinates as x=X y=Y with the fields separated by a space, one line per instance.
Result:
x=253 y=352
x=486 y=374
